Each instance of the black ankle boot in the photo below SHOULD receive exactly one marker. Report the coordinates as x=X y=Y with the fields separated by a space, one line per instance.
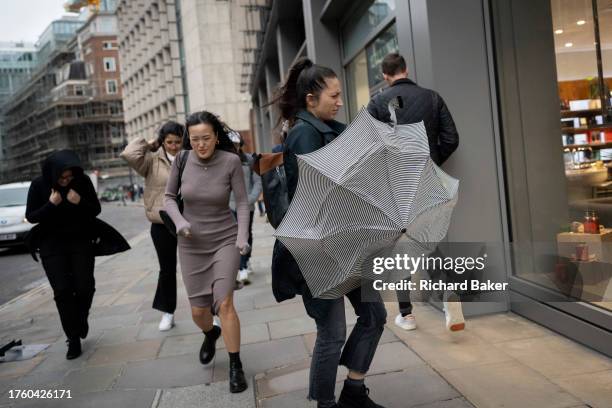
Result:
x=237 y=382
x=207 y=351
x=74 y=348
x=356 y=397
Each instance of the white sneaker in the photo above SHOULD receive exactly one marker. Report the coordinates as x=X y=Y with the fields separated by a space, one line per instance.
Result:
x=407 y=322
x=454 y=316
x=167 y=322
x=243 y=276
x=216 y=321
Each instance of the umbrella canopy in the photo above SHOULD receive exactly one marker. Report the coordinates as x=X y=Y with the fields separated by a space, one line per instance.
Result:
x=361 y=193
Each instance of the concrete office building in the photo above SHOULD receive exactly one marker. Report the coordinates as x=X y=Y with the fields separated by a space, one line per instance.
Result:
x=528 y=84
x=152 y=84
x=213 y=47
x=181 y=56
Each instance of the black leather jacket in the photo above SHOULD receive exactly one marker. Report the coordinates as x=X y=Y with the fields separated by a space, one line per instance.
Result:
x=420 y=104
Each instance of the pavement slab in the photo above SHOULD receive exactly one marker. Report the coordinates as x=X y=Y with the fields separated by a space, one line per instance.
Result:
x=210 y=395
x=167 y=372
x=121 y=353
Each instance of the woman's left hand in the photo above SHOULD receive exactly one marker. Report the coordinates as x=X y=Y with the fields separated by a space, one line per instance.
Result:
x=73 y=197
x=244 y=248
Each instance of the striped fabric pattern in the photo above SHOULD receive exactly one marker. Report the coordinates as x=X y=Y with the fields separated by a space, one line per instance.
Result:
x=359 y=194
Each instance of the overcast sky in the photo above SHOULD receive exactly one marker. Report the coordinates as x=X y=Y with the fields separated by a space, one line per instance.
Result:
x=26 y=19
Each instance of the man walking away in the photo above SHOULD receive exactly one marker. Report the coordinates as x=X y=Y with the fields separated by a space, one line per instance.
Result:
x=419 y=104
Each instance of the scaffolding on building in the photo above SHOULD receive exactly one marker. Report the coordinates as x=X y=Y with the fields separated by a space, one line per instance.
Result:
x=60 y=108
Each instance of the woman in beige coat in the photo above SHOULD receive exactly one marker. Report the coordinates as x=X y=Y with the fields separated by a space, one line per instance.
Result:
x=152 y=160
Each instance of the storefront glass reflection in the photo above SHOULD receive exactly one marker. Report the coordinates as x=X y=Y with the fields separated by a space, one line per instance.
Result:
x=357 y=30
x=364 y=73
x=382 y=45
x=579 y=259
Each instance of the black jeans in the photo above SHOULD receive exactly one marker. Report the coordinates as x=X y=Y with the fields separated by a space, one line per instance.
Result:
x=72 y=279
x=244 y=259
x=403 y=300
x=165 y=246
x=359 y=349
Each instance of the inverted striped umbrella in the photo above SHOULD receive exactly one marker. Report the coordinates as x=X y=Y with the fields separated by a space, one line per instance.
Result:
x=359 y=194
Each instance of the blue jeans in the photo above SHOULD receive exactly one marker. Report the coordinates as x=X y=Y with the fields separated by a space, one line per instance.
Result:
x=359 y=349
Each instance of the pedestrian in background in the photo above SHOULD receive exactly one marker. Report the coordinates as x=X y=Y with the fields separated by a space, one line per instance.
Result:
x=310 y=100
x=209 y=239
x=152 y=160
x=64 y=203
x=419 y=104
x=252 y=181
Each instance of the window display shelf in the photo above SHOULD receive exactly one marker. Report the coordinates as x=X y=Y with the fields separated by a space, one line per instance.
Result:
x=586 y=128
x=580 y=113
x=591 y=145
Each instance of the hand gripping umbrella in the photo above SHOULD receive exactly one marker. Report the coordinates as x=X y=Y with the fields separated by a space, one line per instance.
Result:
x=359 y=194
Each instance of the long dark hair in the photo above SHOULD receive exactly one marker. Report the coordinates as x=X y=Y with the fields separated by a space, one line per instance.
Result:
x=304 y=78
x=219 y=127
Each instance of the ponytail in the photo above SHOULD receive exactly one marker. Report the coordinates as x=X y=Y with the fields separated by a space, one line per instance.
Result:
x=304 y=78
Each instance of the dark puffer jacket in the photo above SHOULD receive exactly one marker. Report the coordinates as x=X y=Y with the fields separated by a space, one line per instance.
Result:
x=420 y=104
x=67 y=227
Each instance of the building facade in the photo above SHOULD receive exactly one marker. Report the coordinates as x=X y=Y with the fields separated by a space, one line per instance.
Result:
x=151 y=81
x=182 y=56
x=69 y=102
x=528 y=84
x=212 y=58
x=99 y=51
x=17 y=63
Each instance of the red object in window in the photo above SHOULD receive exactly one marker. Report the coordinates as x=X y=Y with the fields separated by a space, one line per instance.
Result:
x=591 y=223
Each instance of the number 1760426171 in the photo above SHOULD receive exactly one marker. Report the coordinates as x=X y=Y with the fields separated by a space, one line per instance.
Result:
x=39 y=394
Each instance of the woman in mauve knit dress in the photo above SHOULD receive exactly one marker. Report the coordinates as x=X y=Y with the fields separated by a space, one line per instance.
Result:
x=209 y=240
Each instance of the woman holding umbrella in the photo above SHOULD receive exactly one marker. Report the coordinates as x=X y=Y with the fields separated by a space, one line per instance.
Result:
x=310 y=100
x=65 y=205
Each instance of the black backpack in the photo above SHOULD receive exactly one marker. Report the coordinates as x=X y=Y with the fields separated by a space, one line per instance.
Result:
x=270 y=168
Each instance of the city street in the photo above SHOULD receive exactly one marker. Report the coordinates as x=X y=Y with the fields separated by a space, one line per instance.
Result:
x=421 y=190
x=19 y=273
x=128 y=362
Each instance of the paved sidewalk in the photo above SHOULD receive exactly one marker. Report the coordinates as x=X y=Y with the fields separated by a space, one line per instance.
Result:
x=499 y=361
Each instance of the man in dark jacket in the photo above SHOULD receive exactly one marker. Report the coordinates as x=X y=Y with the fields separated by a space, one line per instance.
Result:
x=418 y=104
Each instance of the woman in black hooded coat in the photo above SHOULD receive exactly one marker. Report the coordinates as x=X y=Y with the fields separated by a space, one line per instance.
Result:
x=64 y=202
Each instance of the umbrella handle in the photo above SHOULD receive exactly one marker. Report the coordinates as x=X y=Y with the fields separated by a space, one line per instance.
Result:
x=395 y=103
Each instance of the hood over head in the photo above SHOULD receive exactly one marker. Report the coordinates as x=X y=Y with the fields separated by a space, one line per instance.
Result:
x=59 y=161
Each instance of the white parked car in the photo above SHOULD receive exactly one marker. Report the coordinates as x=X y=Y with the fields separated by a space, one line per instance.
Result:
x=13 y=224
